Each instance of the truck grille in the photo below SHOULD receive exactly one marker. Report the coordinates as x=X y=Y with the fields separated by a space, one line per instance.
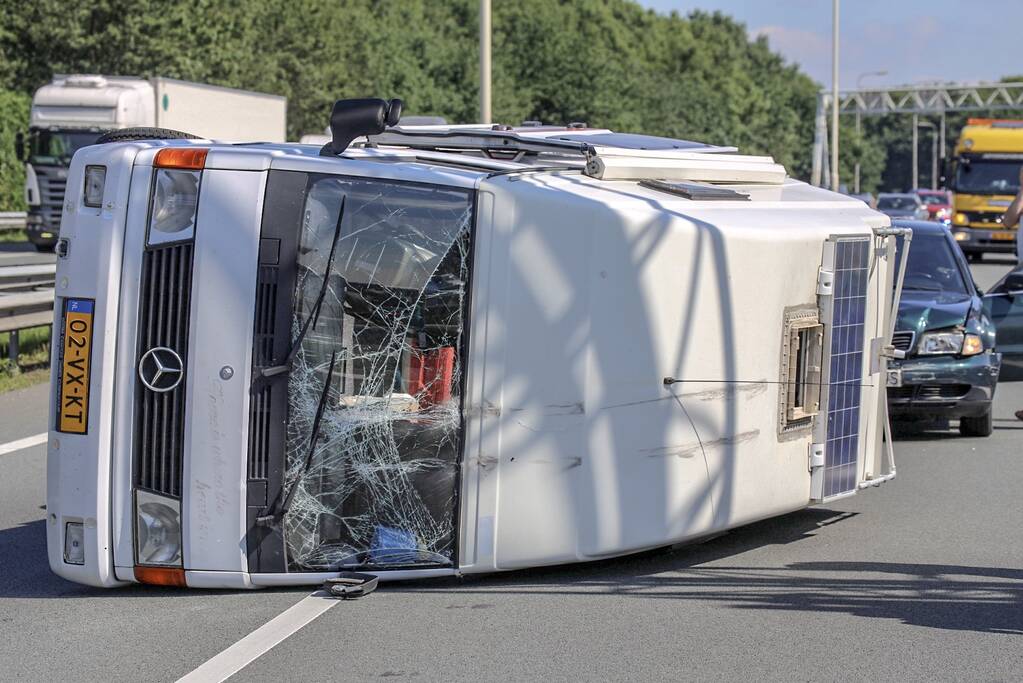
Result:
x=262 y=356
x=51 y=195
x=993 y=218
x=164 y=301
x=903 y=341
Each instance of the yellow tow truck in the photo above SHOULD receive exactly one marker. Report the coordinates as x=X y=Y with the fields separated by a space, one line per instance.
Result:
x=987 y=162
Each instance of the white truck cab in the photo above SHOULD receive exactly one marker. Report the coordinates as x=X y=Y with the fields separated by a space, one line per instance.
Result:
x=439 y=350
x=76 y=110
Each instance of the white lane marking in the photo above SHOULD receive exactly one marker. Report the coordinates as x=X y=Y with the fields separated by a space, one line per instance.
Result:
x=262 y=640
x=27 y=442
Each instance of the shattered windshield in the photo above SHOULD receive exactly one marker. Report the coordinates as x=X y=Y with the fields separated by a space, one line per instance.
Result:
x=380 y=487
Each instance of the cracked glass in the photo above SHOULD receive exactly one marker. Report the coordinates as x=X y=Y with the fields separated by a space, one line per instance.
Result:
x=377 y=486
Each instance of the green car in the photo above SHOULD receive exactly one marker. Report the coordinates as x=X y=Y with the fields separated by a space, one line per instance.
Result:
x=951 y=367
x=1004 y=305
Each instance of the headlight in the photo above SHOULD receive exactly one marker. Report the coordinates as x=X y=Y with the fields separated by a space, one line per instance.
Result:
x=175 y=197
x=950 y=343
x=74 y=543
x=157 y=529
x=960 y=219
x=936 y=343
x=972 y=345
x=95 y=183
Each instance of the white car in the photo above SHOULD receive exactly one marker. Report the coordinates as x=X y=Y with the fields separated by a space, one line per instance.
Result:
x=442 y=350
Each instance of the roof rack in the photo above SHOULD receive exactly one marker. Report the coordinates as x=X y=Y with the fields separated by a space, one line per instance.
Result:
x=670 y=160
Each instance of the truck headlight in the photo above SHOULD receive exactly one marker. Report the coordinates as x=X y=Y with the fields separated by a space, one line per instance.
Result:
x=74 y=543
x=157 y=529
x=949 y=343
x=95 y=183
x=175 y=198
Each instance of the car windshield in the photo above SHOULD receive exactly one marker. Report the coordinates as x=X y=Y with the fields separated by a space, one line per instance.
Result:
x=988 y=177
x=897 y=202
x=932 y=199
x=58 y=146
x=932 y=265
x=379 y=487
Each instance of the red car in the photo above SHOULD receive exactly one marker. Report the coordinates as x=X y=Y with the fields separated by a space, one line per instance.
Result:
x=938 y=203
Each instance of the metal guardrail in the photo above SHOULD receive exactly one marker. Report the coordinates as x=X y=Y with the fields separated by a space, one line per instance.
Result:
x=26 y=300
x=12 y=220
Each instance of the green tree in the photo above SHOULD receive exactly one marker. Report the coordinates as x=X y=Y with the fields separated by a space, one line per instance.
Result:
x=13 y=119
x=608 y=63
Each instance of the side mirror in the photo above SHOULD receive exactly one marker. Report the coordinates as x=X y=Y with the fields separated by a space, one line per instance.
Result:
x=19 y=146
x=350 y=119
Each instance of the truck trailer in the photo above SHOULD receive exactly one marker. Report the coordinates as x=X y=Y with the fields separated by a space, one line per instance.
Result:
x=73 y=112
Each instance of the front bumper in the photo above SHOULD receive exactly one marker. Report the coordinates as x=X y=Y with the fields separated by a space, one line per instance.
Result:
x=944 y=386
x=978 y=240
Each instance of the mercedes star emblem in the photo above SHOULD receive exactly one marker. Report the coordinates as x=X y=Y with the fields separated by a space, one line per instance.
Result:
x=161 y=369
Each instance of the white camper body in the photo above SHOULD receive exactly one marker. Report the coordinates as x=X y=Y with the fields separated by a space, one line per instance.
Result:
x=618 y=365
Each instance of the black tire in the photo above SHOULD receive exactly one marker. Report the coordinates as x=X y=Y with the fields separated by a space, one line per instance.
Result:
x=977 y=426
x=130 y=134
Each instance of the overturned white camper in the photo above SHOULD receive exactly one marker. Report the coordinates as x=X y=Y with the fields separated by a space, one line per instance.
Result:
x=444 y=350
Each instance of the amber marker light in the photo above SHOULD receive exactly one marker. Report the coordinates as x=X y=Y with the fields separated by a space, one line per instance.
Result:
x=190 y=158
x=160 y=576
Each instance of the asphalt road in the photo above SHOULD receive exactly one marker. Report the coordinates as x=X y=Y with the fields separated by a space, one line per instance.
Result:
x=921 y=579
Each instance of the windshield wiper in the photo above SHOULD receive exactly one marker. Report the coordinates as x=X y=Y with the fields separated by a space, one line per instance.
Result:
x=281 y=504
x=264 y=373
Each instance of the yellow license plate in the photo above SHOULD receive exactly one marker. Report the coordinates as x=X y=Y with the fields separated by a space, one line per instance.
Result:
x=1004 y=236
x=76 y=346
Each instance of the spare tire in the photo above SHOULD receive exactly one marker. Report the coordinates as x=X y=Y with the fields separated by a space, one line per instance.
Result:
x=130 y=134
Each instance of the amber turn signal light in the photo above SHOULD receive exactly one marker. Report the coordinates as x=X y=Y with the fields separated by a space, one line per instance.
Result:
x=181 y=157
x=160 y=576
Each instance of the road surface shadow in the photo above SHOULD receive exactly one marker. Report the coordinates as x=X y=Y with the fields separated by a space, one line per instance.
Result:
x=949 y=597
x=25 y=571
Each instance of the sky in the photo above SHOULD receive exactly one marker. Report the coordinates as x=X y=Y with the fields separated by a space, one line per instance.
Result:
x=914 y=41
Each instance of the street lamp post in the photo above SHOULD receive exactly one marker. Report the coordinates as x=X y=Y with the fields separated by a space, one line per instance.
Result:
x=485 y=116
x=934 y=151
x=834 y=95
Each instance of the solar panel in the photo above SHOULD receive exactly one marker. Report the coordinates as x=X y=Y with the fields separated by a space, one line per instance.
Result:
x=852 y=263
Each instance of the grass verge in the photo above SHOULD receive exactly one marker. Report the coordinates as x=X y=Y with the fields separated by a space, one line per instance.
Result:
x=7 y=236
x=33 y=360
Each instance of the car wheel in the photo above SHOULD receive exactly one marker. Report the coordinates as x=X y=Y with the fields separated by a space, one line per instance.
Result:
x=977 y=426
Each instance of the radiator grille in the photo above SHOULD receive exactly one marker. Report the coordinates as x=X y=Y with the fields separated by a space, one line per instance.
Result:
x=262 y=356
x=164 y=300
x=51 y=195
x=903 y=341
